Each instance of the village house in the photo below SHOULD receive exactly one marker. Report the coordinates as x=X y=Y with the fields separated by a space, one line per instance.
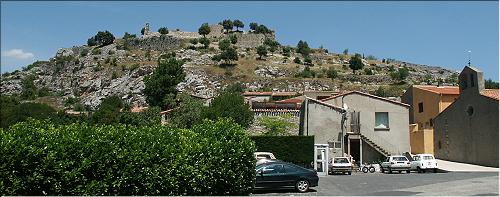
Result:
x=362 y=125
x=467 y=131
x=426 y=102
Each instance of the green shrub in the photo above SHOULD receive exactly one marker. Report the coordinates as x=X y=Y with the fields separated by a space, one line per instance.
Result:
x=39 y=158
x=297 y=60
x=12 y=112
x=295 y=149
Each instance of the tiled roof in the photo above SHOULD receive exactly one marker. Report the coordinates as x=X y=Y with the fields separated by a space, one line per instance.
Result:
x=451 y=90
x=257 y=93
x=298 y=99
x=491 y=93
x=369 y=95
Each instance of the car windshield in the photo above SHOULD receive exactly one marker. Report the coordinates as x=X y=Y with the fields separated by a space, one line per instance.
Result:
x=400 y=159
x=340 y=160
x=428 y=157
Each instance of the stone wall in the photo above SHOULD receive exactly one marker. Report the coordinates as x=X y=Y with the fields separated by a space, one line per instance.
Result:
x=216 y=31
x=249 y=40
x=153 y=43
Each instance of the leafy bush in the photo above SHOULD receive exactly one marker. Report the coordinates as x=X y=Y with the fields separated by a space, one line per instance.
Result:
x=306 y=73
x=297 y=60
x=331 y=73
x=13 y=112
x=39 y=158
x=230 y=105
x=368 y=71
x=490 y=84
x=295 y=149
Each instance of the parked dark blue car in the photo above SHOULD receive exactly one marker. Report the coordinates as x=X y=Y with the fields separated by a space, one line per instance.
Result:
x=280 y=175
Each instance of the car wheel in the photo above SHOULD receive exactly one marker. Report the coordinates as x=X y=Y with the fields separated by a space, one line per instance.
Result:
x=365 y=169
x=372 y=169
x=408 y=171
x=302 y=185
x=399 y=171
x=435 y=170
x=349 y=173
x=382 y=170
x=419 y=170
x=390 y=171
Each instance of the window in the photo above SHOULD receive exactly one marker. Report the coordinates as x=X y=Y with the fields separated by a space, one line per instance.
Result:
x=428 y=157
x=471 y=80
x=273 y=169
x=381 y=120
x=420 y=107
x=470 y=111
x=289 y=168
x=335 y=145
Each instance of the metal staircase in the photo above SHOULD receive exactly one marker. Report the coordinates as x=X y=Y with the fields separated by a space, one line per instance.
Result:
x=374 y=145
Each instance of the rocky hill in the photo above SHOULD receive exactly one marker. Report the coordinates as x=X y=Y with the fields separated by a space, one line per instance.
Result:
x=91 y=73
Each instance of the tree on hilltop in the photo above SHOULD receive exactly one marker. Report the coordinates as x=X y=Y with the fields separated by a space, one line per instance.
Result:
x=228 y=25
x=303 y=48
x=253 y=26
x=204 y=29
x=101 y=38
x=238 y=24
x=163 y=30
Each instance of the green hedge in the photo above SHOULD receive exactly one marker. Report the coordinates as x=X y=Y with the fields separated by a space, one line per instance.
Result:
x=212 y=158
x=294 y=149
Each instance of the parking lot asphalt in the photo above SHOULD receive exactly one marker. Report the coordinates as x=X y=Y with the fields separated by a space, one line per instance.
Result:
x=378 y=184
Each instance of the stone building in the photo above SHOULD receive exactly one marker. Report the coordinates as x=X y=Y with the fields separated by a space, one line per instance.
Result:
x=467 y=131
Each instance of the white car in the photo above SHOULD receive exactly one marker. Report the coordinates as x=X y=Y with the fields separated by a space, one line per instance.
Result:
x=264 y=155
x=395 y=163
x=423 y=163
x=340 y=164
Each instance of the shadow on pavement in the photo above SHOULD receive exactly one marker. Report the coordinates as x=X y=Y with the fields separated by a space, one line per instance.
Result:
x=392 y=193
x=291 y=191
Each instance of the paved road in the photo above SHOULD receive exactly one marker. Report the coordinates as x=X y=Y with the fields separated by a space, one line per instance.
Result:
x=378 y=184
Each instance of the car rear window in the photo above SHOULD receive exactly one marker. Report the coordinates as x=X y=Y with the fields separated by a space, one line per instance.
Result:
x=428 y=157
x=263 y=157
x=340 y=160
x=400 y=159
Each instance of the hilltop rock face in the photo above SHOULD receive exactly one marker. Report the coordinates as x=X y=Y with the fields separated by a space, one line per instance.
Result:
x=94 y=73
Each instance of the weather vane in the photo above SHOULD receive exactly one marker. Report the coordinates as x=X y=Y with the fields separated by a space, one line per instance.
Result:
x=469 y=55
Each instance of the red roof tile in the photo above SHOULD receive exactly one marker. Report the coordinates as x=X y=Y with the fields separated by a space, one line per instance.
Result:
x=452 y=90
x=369 y=95
x=298 y=99
x=491 y=93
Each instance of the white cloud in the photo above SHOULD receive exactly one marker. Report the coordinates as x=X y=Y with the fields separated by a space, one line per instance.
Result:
x=18 y=54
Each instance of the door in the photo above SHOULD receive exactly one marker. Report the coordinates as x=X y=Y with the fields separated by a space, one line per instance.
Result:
x=272 y=176
x=321 y=159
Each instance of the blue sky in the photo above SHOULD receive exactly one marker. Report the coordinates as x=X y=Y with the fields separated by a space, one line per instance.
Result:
x=432 y=33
